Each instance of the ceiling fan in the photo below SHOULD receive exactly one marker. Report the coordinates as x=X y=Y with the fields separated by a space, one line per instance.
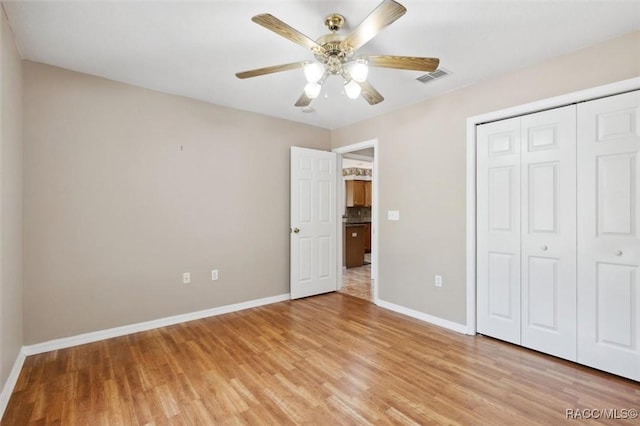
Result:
x=336 y=54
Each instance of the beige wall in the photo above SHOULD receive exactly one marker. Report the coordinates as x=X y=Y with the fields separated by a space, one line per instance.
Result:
x=422 y=160
x=10 y=201
x=116 y=211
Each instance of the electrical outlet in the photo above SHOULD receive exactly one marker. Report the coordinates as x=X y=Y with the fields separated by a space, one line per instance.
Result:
x=186 y=278
x=214 y=275
x=438 y=281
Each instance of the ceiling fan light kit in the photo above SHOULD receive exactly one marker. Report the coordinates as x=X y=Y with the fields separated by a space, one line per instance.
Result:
x=313 y=71
x=335 y=54
x=358 y=70
x=312 y=89
x=352 y=89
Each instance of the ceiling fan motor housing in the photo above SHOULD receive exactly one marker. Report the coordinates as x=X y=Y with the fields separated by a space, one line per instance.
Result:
x=334 y=22
x=332 y=55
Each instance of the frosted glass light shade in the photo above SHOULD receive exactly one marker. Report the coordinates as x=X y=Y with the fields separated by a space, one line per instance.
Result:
x=358 y=71
x=312 y=90
x=313 y=72
x=352 y=89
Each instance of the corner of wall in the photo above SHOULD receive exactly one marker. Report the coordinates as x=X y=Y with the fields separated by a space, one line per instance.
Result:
x=11 y=165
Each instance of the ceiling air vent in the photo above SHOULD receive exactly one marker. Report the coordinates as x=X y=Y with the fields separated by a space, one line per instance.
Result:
x=437 y=74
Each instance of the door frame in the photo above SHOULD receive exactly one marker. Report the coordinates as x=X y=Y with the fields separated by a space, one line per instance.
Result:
x=555 y=102
x=340 y=206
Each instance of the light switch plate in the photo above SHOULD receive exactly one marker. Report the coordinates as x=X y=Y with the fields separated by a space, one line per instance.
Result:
x=393 y=215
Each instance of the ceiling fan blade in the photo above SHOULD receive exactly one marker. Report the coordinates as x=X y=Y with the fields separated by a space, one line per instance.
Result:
x=270 y=70
x=272 y=23
x=385 y=14
x=303 y=100
x=370 y=94
x=404 y=62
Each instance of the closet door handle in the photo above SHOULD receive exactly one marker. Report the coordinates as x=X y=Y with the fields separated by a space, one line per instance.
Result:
x=544 y=248
x=619 y=253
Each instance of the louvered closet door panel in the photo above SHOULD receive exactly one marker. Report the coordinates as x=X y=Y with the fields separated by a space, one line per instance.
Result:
x=548 y=229
x=608 y=234
x=498 y=228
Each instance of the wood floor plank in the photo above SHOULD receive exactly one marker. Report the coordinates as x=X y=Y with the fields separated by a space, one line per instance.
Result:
x=330 y=359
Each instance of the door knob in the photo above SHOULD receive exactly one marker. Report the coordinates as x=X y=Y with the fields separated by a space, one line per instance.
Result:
x=619 y=253
x=544 y=248
x=296 y=230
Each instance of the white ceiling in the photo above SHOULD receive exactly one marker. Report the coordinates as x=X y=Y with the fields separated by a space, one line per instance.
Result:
x=194 y=49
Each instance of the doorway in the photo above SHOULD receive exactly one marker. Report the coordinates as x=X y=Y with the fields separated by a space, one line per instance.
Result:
x=357 y=205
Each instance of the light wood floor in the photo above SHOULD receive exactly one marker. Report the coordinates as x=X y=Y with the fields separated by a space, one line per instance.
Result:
x=330 y=359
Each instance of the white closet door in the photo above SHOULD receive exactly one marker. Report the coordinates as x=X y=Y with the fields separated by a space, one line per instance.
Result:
x=608 y=240
x=498 y=228
x=548 y=163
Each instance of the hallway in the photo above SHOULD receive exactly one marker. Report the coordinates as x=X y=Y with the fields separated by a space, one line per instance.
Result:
x=357 y=282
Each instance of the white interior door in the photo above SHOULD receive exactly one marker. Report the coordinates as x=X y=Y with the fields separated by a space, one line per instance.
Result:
x=548 y=246
x=313 y=226
x=608 y=240
x=498 y=228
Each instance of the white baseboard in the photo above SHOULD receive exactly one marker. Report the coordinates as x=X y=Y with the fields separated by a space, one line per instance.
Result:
x=454 y=326
x=7 y=390
x=81 y=339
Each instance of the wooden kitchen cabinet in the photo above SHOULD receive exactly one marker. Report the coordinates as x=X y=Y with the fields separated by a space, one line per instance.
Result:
x=354 y=246
x=367 y=193
x=367 y=238
x=355 y=193
x=359 y=193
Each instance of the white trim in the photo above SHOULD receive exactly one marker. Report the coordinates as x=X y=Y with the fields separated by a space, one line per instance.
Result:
x=371 y=143
x=10 y=384
x=375 y=219
x=340 y=208
x=472 y=122
x=471 y=227
x=450 y=325
x=95 y=336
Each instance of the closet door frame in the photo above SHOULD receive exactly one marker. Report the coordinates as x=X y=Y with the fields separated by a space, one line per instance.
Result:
x=472 y=122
